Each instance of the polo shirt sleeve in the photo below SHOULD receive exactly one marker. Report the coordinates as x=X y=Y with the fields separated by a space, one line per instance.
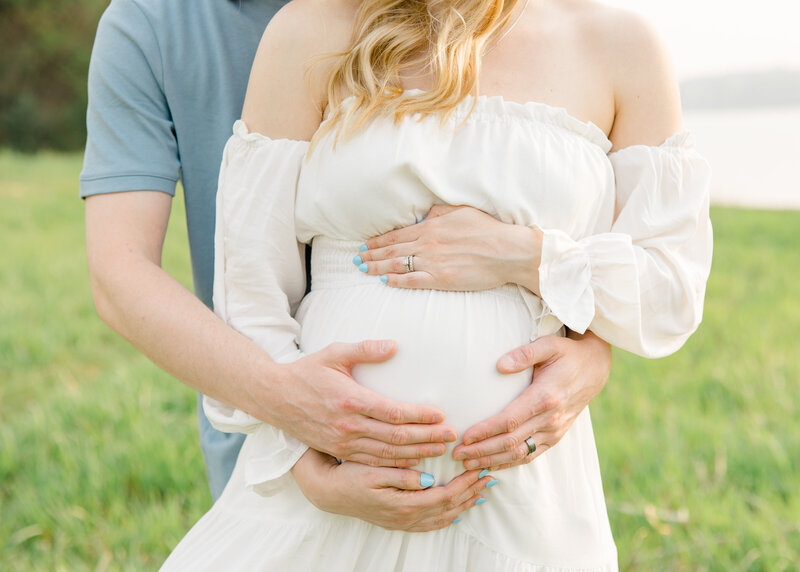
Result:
x=131 y=142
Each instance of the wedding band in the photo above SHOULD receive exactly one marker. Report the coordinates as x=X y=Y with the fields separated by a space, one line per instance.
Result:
x=409 y=263
x=531 y=445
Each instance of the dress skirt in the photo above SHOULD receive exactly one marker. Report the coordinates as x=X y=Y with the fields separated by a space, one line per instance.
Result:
x=549 y=515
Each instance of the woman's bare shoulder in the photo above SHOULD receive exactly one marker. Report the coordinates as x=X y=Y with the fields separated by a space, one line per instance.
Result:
x=314 y=25
x=286 y=92
x=635 y=57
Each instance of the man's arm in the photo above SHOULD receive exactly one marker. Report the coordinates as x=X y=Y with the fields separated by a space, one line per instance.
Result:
x=313 y=399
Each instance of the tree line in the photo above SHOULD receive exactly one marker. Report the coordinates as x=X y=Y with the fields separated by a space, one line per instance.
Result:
x=45 y=47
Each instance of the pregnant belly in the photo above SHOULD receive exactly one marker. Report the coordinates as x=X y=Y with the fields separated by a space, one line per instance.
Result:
x=448 y=344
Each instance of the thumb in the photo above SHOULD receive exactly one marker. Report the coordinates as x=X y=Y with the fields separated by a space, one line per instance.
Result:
x=367 y=351
x=539 y=351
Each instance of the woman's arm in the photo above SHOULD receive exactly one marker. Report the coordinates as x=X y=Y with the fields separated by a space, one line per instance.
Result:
x=472 y=250
x=659 y=240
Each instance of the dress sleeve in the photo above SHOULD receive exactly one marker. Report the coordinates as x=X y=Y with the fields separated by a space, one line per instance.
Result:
x=640 y=286
x=259 y=279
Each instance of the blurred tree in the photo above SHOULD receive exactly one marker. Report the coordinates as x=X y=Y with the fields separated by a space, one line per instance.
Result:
x=45 y=47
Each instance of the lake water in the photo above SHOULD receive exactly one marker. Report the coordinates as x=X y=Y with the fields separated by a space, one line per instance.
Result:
x=754 y=154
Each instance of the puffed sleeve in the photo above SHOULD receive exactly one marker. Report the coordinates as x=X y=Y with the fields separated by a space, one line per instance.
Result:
x=259 y=279
x=640 y=286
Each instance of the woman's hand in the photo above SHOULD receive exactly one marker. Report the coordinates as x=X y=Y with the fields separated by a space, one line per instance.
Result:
x=396 y=499
x=456 y=248
x=567 y=375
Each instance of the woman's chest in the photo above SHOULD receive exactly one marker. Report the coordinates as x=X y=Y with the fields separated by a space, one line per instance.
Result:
x=523 y=163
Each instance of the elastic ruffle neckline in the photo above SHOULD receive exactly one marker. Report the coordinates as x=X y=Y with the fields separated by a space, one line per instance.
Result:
x=543 y=113
x=681 y=141
x=241 y=131
x=499 y=106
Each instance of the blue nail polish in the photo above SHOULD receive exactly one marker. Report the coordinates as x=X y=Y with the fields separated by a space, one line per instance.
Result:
x=363 y=247
x=384 y=279
x=363 y=267
x=483 y=473
x=480 y=501
x=357 y=260
x=491 y=483
x=426 y=480
x=457 y=520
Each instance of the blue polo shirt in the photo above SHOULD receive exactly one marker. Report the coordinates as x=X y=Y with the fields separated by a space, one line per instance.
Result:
x=167 y=80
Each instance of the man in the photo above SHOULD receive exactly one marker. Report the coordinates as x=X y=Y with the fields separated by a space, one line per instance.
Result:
x=166 y=82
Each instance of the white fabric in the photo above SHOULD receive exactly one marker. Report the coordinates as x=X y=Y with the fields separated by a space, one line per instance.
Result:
x=626 y=252
x=640 y=286
x=259 y=279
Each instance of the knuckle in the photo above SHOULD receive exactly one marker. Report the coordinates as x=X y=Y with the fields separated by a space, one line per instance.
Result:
x=549 y=401
x=346 y=427
x=350 y=405
x=513 y=423
x=526 y=354
x=511 y=442
x=364 y=347
x=518 y=454
x=388 y=451
x=394 y=415
x=399 y=436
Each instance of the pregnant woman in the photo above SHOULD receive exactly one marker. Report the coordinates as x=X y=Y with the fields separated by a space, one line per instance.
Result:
x=553 y=125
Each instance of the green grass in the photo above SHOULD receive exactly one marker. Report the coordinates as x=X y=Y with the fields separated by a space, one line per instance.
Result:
x=100 y=466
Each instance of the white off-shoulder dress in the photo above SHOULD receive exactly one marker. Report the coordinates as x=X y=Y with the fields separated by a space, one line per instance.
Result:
x=626 y=253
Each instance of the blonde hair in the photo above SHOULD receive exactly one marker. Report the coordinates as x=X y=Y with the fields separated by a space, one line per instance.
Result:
x=446 y=38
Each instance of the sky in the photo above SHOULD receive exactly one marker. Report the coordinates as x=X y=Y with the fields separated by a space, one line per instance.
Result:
x=718 y=36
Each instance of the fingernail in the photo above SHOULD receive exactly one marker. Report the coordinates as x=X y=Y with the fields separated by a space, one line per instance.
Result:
x=483 y=473
x=480 y=501
x=363 y=247
x=426 y=480
x=363 y=267
x=491 y=483
x=457 y=520
x=460 y=456
x=357 y=260
x=450 y=436
x=384 y=279
x=385 y=346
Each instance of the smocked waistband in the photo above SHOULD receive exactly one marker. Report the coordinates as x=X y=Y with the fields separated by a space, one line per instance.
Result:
x=332 y=266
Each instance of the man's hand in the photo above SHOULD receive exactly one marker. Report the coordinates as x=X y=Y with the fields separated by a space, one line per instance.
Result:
x=387 y=497
x=325 y=408
x=568 y=374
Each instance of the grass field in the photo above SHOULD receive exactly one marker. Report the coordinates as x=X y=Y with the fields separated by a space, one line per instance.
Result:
x=100 y=467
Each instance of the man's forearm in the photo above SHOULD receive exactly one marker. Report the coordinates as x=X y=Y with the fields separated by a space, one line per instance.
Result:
x=167 y=323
